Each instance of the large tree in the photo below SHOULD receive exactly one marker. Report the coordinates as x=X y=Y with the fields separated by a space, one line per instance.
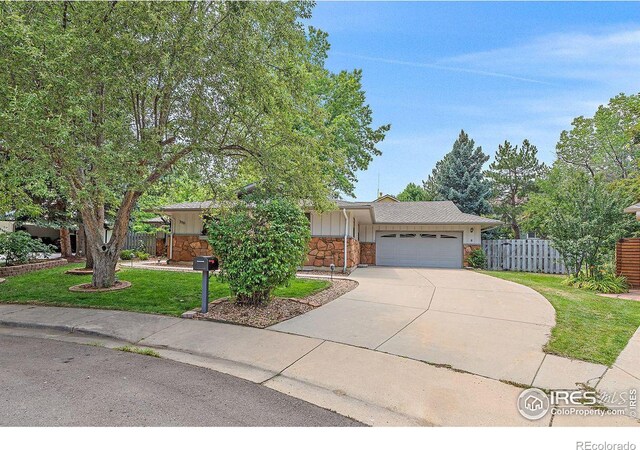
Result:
x=513 y=174
x=459 y=177
x=582 y=215
x=413 y=193
x=110 y=96
x=606 y=143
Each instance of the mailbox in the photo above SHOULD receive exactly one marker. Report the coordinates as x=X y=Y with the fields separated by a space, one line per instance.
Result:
x=205 y=263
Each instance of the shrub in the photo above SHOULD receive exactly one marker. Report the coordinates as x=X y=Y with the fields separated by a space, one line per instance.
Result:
x=477 y=259
x=260 y=247
x=143 y=256
x=126 y=255
x=20 y=247
x=604 y=281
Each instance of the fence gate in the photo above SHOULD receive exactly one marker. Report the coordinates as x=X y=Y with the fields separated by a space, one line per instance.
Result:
x=523 y=255
x=135 y=241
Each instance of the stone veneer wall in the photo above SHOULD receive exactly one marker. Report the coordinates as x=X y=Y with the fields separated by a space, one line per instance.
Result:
x=324 y=251
x=468 y=248
x=368 y=253
x=26 y=268
x=187 y=247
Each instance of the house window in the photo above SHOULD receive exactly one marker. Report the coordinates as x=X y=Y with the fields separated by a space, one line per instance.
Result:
x=308 y=216
x=427 y=235
x=446 y=236
x=407 y=235
x=388 y=236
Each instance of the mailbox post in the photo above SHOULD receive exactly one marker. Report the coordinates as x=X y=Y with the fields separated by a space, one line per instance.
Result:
x=205 y=264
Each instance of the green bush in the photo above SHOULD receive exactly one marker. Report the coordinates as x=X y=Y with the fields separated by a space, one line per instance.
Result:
x=477 y=259
x=19 y=247
x=603 y=281
x=126 y=255
x=260 y=247
x=143 y=256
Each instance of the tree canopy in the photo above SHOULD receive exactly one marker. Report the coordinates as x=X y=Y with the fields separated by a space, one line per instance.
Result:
x=413 y=193
x=459 y=177
x=106 y=99
x=513 y=177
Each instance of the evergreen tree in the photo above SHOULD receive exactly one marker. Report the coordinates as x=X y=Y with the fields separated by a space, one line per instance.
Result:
x=413 y=193
x=458 y=177
x=514 y=174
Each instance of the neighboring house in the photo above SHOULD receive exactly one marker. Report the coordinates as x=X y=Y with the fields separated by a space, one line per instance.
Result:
x=384 y=232
x=634 y=209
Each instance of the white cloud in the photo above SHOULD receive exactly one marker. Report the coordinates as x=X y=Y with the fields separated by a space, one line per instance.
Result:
x=600 y=56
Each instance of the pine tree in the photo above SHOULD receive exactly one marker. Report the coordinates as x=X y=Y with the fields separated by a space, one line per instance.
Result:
x=514 y=174
x=459 y=177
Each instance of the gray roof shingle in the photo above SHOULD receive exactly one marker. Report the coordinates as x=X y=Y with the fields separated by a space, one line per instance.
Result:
x=438 y=213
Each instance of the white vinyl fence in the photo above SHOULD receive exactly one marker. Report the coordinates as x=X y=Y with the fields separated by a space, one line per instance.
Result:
x=523 y=255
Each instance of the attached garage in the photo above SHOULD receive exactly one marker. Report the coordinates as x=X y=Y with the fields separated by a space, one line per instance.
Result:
x=419 y=249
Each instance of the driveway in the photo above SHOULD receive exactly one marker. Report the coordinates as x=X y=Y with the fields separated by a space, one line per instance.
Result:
x=459 y=318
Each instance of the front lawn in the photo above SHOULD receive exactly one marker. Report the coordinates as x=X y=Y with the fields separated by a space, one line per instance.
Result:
x=152 y=291
x=588 y=327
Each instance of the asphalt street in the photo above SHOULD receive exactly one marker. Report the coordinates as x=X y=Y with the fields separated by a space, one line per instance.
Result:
x=51 y=383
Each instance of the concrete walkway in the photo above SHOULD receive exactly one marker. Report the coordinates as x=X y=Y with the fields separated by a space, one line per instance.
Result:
x=459 y=318
x=371 y=386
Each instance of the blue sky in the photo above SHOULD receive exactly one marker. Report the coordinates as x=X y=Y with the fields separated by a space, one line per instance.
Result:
x=497 y=70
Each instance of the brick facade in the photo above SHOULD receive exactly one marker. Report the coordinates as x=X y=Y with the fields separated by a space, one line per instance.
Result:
x=368 y=253
x=324 y=251
x=467 y=249
x=187 y=247
x=26 y=268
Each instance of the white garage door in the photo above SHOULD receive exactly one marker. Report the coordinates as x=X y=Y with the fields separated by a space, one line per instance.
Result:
x=419 y=249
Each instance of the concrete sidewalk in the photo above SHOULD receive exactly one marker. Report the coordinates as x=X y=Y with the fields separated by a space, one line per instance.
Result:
x=367 y=385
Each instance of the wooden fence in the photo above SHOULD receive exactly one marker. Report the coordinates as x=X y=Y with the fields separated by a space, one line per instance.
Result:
x=628 y=260
x=136 y=240
x=523 y=255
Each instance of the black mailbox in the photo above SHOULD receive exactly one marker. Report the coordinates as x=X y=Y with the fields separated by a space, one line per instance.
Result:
x=205 y=263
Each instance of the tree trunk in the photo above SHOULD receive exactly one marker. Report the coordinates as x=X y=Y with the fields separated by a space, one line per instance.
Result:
x=104 y=267
x=105 y=254
x=89 y=255
x=65 y=242
x=80 y=242
x=516 y=229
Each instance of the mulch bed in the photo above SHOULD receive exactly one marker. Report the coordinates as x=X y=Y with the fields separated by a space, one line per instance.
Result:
x=88 y=287
x=277 y=310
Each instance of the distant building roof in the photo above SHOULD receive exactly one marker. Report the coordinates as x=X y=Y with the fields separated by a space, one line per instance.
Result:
x=386 y=198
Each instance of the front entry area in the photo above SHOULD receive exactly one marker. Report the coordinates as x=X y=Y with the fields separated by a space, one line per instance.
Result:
x=419 y=249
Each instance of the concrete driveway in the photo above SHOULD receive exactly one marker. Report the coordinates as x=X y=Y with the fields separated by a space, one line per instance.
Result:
x=459 y=318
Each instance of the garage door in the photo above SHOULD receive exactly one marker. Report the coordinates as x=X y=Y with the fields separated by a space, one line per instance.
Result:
x=419 y=249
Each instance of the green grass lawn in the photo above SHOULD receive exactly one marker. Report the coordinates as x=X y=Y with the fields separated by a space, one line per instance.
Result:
x=152 y=291
x=588 y=327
